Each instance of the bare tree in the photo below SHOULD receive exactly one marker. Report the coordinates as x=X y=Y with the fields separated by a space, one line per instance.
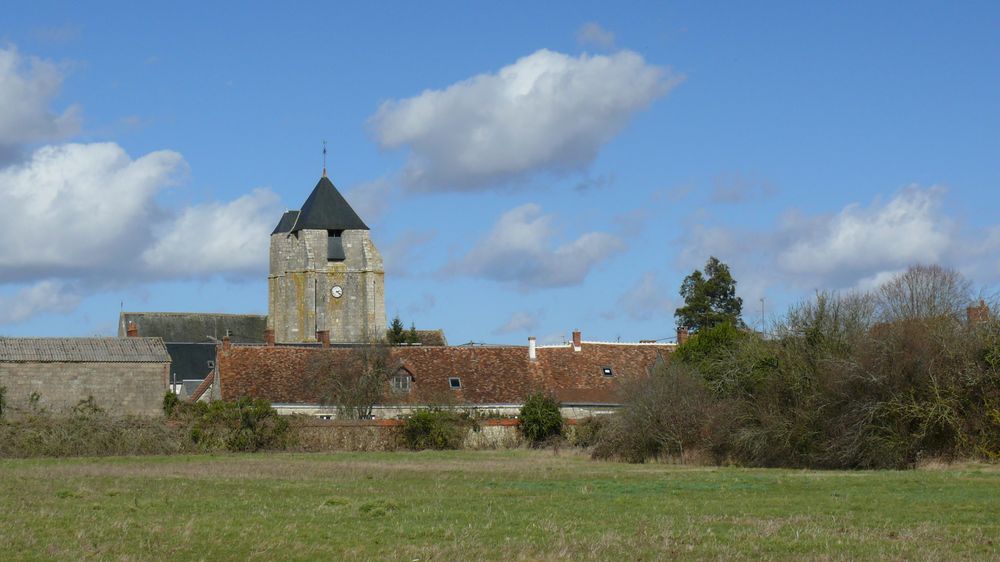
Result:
x=355 y=380
x=923 y=292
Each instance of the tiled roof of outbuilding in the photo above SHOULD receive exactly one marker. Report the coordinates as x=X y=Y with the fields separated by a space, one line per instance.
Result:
x=488 y=374
x=83 y=350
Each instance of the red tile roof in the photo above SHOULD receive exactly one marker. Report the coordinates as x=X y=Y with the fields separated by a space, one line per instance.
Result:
x=488 y=375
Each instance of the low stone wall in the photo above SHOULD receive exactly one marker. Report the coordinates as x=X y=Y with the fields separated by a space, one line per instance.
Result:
x=316 y=435
x=568 y=412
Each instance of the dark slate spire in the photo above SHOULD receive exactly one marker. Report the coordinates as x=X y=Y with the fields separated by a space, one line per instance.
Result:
x=326 y=209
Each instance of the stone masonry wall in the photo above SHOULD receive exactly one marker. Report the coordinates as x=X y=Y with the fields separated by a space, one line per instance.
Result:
x=300 y=280
x=118 y=388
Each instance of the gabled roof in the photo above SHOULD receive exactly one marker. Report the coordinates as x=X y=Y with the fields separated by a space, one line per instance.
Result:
x=83 y=350
x=326 y=209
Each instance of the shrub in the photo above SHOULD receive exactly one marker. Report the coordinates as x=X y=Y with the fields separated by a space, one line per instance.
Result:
x=245 y=424
x=3 y=400
x=663 y=415
x=88 y=432
x=435 y=429
x=540 y=419
x=170 y=403
x=586 y=430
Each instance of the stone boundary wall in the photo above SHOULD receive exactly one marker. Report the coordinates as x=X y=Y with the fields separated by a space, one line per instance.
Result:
x=386 y=435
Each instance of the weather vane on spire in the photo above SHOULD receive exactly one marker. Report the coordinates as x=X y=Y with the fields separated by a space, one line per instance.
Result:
x=324 y=158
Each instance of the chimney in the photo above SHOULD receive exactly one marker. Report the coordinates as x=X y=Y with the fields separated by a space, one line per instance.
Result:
x=269 y=337
x=323 y=336
x=577 y=340
x=226 y=343
x=682 y=335
x=132 y=331
x=978 y=314
x=531 y=348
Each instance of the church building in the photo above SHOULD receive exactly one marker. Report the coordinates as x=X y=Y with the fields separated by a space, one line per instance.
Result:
x=326 y=276
x=326 y=298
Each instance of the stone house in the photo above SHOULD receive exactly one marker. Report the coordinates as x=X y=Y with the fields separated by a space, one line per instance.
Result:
x=123 y=375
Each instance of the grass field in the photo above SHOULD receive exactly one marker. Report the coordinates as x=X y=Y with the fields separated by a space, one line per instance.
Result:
x=484 y=505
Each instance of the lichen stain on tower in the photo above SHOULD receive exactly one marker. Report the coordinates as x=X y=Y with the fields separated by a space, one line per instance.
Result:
x=325 y=273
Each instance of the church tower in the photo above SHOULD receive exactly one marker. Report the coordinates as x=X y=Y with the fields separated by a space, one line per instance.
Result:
x=325 y=273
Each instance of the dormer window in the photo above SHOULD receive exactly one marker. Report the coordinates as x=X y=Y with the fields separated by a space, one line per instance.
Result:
x=334 y=246
x=402 y=381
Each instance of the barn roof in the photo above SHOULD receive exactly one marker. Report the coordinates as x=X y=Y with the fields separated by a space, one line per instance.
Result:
x=195 y=327
x=83 y=350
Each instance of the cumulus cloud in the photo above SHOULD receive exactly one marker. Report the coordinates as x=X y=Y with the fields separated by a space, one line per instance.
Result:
x=593 y=35
x=79 y=218
x=858 y=241
x=216 y=238
x=646 y=299
x=547 y=112
x=78 y=209
x=83 y=217
x=853 y=248
x=27 y=87
x=521 y=321
x=520 y=249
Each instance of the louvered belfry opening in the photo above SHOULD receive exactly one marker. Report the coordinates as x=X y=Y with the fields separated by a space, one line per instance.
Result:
x=335 y=246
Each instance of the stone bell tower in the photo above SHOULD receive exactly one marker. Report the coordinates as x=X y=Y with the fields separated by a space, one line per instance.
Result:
x=325 y=273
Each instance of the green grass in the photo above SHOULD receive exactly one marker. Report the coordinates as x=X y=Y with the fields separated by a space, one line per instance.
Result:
x=503 y=505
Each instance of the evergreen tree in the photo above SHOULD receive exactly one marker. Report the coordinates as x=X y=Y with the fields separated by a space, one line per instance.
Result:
x=709 y=298
x=411 y=336
x=397 y=333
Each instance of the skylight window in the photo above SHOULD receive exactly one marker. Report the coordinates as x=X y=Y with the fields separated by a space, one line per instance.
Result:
x=455 y=383
x=608 y=372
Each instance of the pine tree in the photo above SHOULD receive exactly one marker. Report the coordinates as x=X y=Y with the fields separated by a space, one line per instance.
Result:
x=397 y=334
x=709 y=298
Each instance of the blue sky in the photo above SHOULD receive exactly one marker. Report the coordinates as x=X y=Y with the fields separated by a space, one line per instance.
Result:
x=526 y=168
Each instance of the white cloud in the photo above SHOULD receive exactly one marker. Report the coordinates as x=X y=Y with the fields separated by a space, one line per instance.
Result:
x=216 y=238
x=853 y=248
x=646 y=299
x=372 y=199
x=518 y=322
x=859 y=242
x=78 y=209
x=27 y=87
x=520 y=249
x=43 y=296
x=78 y=218
x=592 y=34
x=547 y=112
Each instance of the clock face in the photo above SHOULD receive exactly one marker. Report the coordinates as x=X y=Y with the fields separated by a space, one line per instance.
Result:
x=337 y=291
